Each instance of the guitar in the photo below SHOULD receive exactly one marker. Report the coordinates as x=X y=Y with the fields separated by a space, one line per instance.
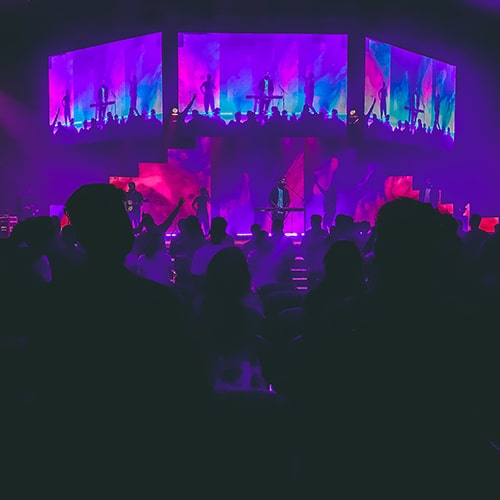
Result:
x=129 y=204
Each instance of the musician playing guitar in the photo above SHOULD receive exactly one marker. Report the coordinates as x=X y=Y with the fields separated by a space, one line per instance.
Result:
x=279 y=198
x=133 y=204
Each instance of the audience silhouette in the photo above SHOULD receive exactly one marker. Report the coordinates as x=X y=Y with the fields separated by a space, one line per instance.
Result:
x=208 y=361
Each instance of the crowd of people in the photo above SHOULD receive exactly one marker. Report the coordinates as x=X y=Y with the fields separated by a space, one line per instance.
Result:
x=420 y=133
x=132 y=368
x=111 y=127
x=309 y=122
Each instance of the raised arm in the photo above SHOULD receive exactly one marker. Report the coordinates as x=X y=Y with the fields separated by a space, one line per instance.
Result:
x=170 y=219
x=53 y=124
x=186 y=110
x=371 y=108
x=322 y=190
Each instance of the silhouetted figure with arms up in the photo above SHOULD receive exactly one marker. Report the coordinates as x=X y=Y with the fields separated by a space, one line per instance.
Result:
x=148 y=226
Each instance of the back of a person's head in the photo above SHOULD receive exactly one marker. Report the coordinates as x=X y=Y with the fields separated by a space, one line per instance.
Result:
x=475 y=221
x=255 y=228
x=228 y=275
x=218 y=230
x=316 y=220
x=343 y=221
x=192 y=226
x=262 y=241
x=408 y=234
x=277 y=226
x=343 y=262
x=36 y=232
x=101 y=224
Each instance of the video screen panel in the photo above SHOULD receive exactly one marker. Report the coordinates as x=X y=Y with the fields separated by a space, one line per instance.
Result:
x=408 y=97
x=228 y=73
x=108 y=91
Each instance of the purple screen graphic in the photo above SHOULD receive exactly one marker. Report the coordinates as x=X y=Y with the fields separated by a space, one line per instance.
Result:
x=239 y=62
x=131 y=71
x=412 y=93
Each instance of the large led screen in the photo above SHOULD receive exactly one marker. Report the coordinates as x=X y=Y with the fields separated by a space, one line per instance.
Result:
x=408 y=96
x=271 y=75
x=107 y=91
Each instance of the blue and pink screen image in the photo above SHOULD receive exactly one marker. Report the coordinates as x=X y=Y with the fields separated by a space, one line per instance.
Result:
x=301 y=68
x=109 y=78
x=409 y=87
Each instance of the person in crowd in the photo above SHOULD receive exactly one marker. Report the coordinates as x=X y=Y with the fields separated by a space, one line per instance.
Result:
x=250 y=245
x=313 y=249
x=155 y=263
x=117 y=362
x=474 y=239
x=217 y=241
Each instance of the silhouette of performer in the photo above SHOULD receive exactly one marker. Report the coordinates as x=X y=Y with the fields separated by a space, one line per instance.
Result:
x=309 y=90
x=207 y=89
x=200 y=204
x=266 y=89
x=133 y=204
x=133 y=93
x=66 y=102
x=414 y=108
x=329 y=203
x=102 y=99
x=437 y=110
x=382 y=96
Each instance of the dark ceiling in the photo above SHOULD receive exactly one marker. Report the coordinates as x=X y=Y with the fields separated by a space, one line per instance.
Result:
x=31 y=28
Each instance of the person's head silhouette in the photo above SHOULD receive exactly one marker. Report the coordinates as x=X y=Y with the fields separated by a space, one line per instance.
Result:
x=101 y=224
x=228 y=275
x=218 y=230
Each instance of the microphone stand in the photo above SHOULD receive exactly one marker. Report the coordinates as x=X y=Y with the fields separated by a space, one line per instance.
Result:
x=284 y=93
x=113 y=94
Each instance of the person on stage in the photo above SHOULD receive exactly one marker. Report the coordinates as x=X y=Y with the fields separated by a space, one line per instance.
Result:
x=382 y=97
x=329 y=203
x=200 y=205
x=102 y=100
x=66 y=103
x=309 y=90
x=207 y=89
x=133 y=93
x=266 y=90
x=279 y=198
x=437 y=110
x=429 y=193
x=133 y=204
